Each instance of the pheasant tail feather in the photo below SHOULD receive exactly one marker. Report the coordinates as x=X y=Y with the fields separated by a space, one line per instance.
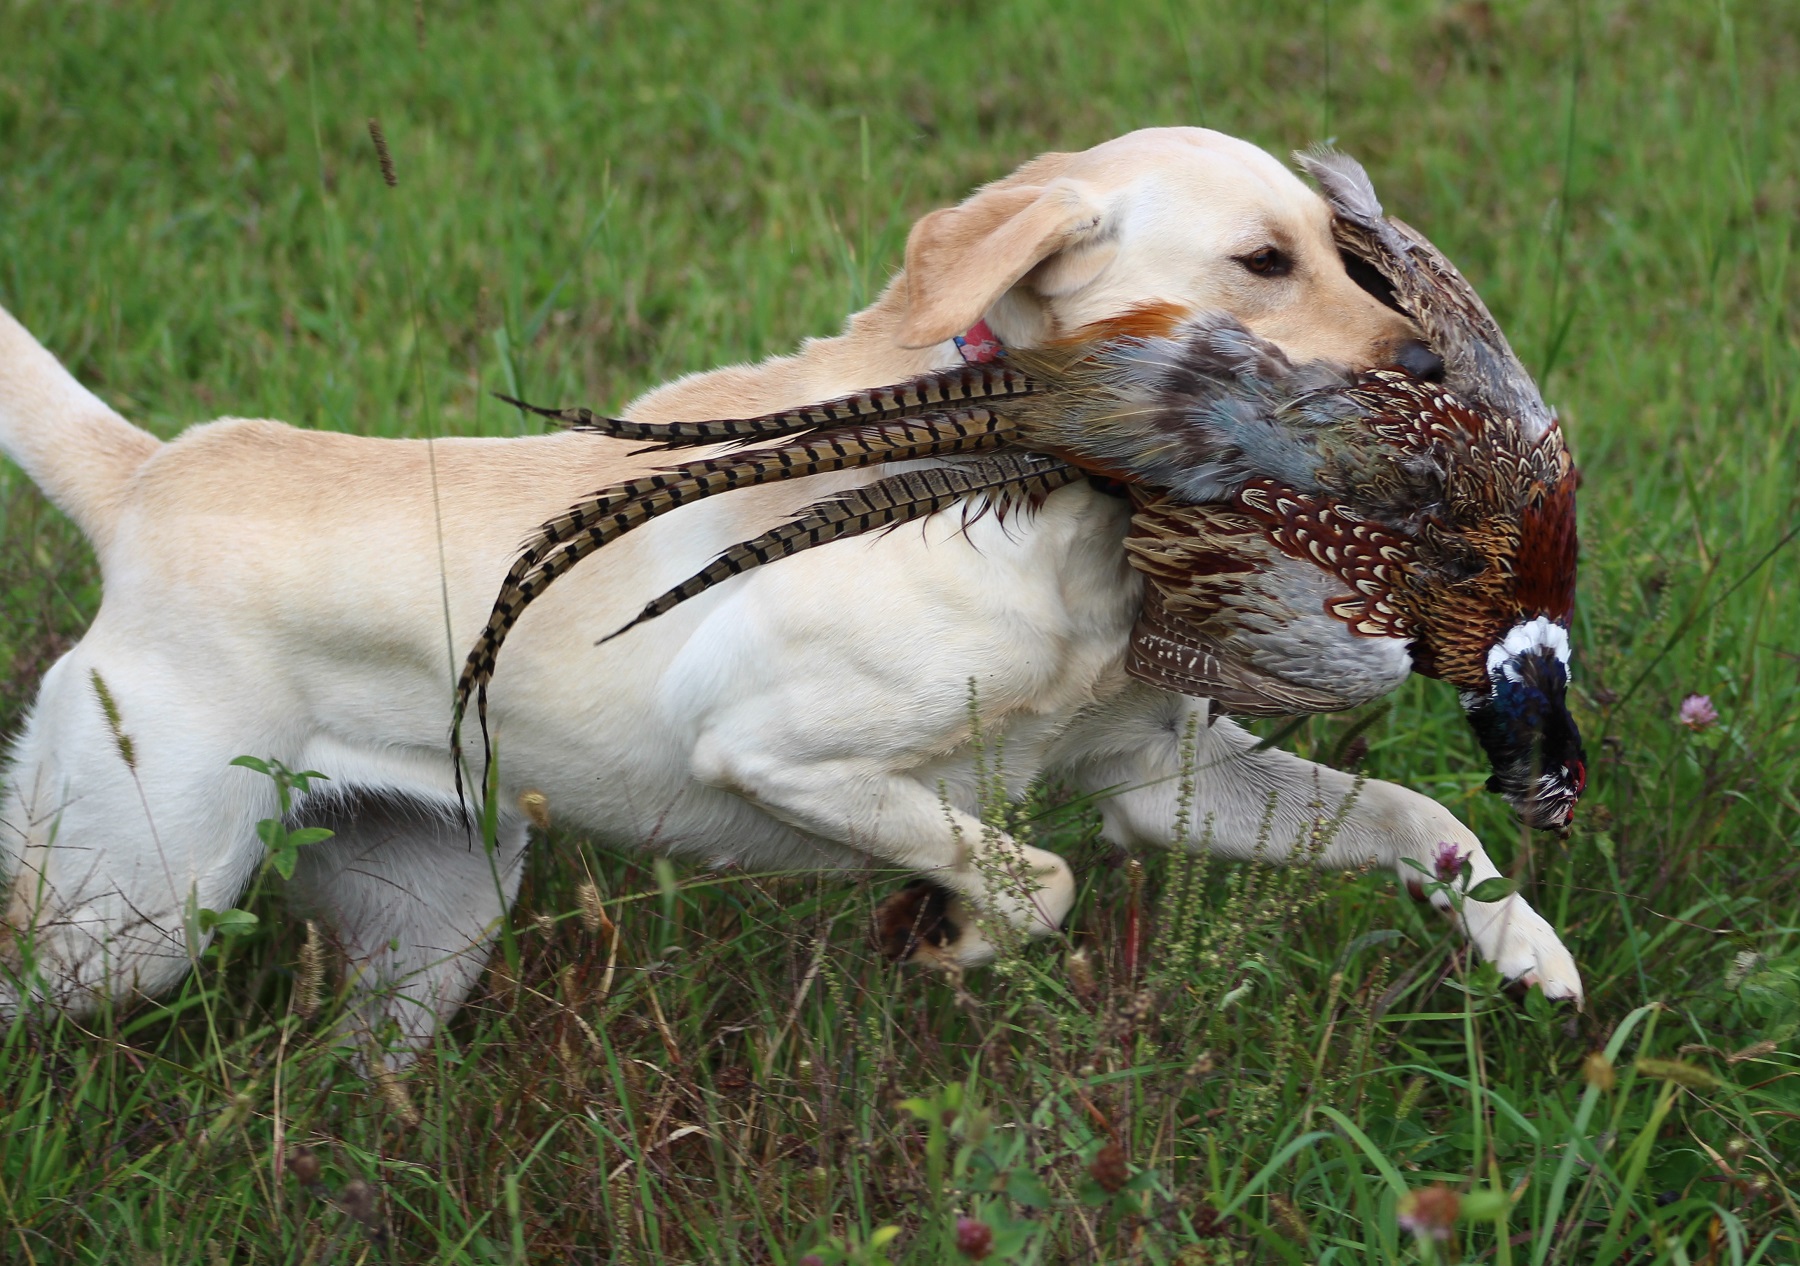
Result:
x=944 y=389
x=1013 y=478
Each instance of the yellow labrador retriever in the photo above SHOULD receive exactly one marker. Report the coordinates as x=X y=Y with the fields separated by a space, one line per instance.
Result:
x=804 y=715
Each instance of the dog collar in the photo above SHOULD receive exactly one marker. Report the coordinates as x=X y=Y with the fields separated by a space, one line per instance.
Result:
x=979 y=345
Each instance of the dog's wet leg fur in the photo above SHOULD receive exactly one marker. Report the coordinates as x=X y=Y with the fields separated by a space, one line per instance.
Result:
x=914 y=918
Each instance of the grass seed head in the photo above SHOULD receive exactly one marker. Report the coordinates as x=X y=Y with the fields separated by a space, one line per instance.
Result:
x=309 y=988
x=593 y=912
x=361 y=1201
x=535 y=805
x=1409 y=1098
x=393 y=1092
x=1080 y=966
x=1288 y=1219
x=382 y=155
x=1598 y=1071
x=1744 y=965
x=1678 y=1071
x=110 y=706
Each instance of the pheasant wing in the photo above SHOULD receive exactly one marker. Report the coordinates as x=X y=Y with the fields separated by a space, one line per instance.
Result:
x=1228 y=615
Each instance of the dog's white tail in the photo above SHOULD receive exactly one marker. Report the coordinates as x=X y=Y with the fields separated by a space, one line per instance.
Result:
x=80 y=452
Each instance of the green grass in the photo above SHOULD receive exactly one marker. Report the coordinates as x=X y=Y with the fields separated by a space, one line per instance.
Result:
x=595 y=197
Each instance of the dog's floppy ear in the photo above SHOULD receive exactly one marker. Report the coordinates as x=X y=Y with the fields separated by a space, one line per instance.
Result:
x=960 y=260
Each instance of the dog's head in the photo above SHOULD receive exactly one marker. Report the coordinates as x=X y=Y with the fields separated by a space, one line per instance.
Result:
x=1181 y=218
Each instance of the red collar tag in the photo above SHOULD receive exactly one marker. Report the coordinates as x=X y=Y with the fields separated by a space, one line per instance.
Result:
x=979 y=345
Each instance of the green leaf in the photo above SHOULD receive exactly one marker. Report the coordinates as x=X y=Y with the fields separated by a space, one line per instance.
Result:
x=309 y=835
x=1493 y=889
x=1010 y=1238
x=1679 y=1071
x=1093 y=1194
x=1381 y=936
x=284 y=860
x=1028 y=1189
x=225 y=922
x=251 y=762
x=1484 y=1204
x=1376 y=1156
x=272 y=833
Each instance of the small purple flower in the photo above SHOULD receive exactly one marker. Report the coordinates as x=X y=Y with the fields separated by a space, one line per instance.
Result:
x=974 y=1238
x=1698 y=713
x=1429 y=1212
x=1448 y=861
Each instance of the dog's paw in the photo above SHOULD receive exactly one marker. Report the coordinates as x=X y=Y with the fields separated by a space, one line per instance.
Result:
x=930 y=926
x=916 y=920
x=1523 y=945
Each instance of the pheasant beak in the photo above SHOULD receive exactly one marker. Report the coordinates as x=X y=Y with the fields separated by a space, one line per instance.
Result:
x=1524 y=725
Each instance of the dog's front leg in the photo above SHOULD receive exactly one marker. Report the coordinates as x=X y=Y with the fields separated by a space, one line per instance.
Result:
x=1269 y=805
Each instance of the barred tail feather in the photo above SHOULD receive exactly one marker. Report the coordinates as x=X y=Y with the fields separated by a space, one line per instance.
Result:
x=636 y=501
x=943 y=389
x=611 y=512
x=1013 y=478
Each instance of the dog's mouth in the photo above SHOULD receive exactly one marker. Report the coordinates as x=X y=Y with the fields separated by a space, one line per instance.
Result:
x=1367 y=276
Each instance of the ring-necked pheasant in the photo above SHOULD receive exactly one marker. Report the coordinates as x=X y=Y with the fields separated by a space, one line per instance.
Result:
x=1309 y=534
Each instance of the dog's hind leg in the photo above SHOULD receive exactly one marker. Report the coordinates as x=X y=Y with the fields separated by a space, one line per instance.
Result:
x=121 y=821
x=415 y=901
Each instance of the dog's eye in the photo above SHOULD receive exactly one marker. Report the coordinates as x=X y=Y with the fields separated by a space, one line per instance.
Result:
x=1267 y=262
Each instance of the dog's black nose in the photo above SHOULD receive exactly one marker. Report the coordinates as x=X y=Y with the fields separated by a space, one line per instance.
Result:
x=1420 y=361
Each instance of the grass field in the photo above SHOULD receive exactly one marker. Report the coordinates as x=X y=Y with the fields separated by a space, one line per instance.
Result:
x=716 y=1068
